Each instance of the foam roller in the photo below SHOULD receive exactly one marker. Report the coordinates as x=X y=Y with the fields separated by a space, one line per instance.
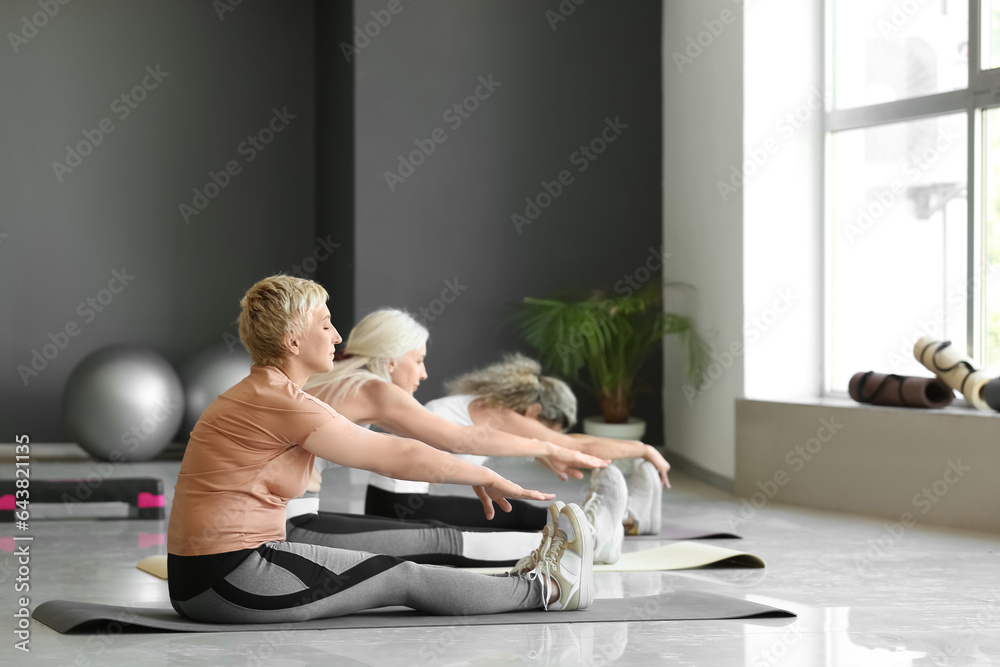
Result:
x=955 y=368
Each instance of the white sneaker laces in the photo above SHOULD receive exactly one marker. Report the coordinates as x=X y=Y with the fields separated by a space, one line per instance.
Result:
x=543 y=560
x=591 y=508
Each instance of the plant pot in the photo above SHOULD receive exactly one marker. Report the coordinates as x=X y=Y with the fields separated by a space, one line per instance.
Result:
x=634 y=429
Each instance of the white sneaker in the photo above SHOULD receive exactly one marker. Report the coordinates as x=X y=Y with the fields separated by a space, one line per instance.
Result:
x=566 y=555
x=645 y=500
x=605 y=507
x=627 y=466
x=530 y=561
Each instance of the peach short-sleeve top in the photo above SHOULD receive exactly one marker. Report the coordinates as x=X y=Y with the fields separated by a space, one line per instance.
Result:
x=243 y=462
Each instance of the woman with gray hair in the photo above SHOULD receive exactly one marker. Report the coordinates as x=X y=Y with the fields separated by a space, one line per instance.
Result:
x=513 y=396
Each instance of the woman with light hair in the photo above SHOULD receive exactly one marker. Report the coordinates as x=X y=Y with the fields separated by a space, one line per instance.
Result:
x=253 y=448
x=373 y=382
x=381 y=367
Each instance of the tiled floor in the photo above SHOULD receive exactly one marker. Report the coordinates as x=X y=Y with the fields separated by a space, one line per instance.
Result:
x=929 y=596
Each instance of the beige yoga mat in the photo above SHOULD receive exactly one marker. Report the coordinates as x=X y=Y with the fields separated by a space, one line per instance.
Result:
x=676 y=556
x=155 y=565
x=955 y=368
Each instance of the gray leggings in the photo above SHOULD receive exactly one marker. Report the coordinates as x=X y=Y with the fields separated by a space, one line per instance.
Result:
x=429 y=542
x=282 y=582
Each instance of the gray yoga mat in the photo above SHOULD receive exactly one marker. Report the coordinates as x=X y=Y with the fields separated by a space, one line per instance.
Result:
x=674 y=532
x=84 y=617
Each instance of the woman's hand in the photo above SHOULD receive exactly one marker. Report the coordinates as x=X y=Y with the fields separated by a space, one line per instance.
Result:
x=500 y=490
x=566 y=463
x=657 y=460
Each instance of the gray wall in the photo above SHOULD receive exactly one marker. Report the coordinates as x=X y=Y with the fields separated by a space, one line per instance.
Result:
x=451 y=219
x=119 y=207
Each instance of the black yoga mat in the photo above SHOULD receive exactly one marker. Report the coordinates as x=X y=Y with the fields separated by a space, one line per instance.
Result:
x=900 y=390
x=675 y=532
x=66 y=616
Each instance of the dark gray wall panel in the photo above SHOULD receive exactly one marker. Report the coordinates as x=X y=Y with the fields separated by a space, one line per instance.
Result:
x=119 y=207
x=451 y=219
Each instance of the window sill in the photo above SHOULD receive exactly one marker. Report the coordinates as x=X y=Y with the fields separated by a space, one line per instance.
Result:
x=960 y=407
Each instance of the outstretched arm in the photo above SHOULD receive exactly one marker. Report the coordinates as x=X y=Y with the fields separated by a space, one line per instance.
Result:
x=402 y=414
x=341 y=441
x=607 y=448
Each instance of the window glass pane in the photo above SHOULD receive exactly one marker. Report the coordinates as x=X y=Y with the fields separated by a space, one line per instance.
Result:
x=991 y=235
x=991 y=34
x=899 y=244
x=887 y=50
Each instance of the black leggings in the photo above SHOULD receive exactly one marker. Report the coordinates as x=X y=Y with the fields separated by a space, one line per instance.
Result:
x=453 y=510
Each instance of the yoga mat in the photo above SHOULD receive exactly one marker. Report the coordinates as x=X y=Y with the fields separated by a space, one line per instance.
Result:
x=67 y=616
x=154 y=565
x=991 y=393
x=900 y=391
x=675 y=532
x=954 y=368
x=676 y=556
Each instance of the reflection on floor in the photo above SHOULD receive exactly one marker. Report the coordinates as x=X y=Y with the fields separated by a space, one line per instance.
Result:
x=865 y=593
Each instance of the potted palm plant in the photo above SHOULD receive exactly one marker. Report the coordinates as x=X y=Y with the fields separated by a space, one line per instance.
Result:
x=610 y=336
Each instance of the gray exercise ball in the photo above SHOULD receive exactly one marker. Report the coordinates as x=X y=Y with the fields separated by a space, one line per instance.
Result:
x=123 y=403
x=209 y=374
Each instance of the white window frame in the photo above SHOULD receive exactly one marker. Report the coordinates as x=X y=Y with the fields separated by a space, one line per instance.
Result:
x=982 y=93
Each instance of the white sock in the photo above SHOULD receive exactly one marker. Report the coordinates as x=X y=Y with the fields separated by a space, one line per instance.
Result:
x=499 y=546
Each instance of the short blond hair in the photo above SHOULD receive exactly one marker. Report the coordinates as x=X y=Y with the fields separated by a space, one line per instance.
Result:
x=273 y=307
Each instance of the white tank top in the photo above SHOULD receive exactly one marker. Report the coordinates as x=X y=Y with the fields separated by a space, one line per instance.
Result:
x=456 y=410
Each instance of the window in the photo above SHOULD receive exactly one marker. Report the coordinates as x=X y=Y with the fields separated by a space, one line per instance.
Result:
x=912 y=182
